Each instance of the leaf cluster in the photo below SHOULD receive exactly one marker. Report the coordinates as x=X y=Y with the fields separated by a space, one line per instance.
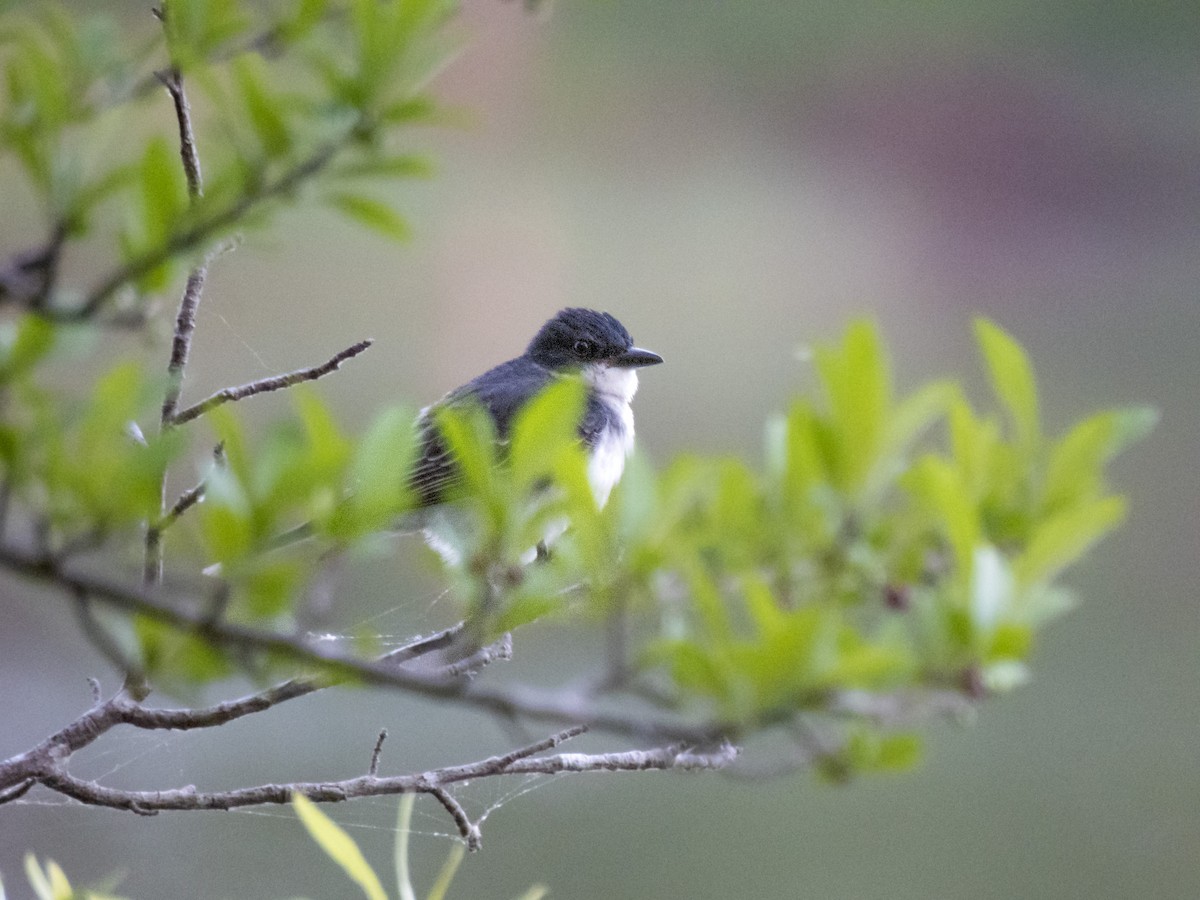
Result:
x=309 y=92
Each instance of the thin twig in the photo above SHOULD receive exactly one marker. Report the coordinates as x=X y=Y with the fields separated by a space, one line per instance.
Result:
x=17 y=792
x=192 y=495
x=505 y=761
x=484 y=656
x=264 y=385
x=468 y=829
x=172 y=80
x=186 y=501
x=185 y=319
x=373 y=768
x=422 y=646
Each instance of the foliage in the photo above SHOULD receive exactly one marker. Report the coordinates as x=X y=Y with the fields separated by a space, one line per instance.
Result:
x=49 y=882
x=889 y=547
x=342 y=849
x=888 y=542
x=291 y=89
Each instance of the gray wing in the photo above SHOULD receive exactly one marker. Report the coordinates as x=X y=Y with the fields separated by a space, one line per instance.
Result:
x=502 y=391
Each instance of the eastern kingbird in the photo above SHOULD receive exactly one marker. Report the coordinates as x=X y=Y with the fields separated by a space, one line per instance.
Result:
x=593 y=345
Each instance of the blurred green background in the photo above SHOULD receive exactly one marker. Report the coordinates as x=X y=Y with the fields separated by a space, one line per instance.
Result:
x=734 y=180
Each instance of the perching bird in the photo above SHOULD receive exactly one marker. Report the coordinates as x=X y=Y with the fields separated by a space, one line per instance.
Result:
x=594 y=345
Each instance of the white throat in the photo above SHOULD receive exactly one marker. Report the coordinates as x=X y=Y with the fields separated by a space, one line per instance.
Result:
x=611 y=382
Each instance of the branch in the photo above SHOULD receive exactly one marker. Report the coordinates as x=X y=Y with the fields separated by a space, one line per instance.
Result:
x=275 y=383
x=172 y=80
x=29 y=276
x=185 y=319
x=46 y=764
x=505 y=700
x=204 y=230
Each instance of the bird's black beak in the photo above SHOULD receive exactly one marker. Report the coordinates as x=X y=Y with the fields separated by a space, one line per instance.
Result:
x=635 y=358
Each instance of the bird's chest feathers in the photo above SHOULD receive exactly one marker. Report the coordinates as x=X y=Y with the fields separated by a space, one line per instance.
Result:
x=614 y=388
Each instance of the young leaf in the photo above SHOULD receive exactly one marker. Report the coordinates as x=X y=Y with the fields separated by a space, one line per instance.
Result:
x=1012 y=380
x=1062 y=539
x=372 y=214
x=21 y=348
x=857 y=383
x=1075 y=471
x=338 y=846
x=164 y=194
x=441 y=884
x=543 y=427
x=263 y=109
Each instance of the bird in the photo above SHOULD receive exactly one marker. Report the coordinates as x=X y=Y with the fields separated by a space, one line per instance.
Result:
x=586 y=343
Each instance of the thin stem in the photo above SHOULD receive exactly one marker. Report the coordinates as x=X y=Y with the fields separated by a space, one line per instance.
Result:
x=265 y=385
x=185 y=319
x=205 y=229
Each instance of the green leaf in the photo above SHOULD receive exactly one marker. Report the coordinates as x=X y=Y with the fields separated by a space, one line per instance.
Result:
x=470 y=436
x=543 y=428
x=399 y=166
x=49 y=883
x=271 y=587
x=226 y=517
x=328 y=447
x=857 y=384
x=372 y=214
x=338 y=846
x=263 y=109
x=21 y=348
x=1060 y=540
x=916 y=414
x=164 y=192
x=403 y=835
x=441 y=884
x=693 y=668
x=941 y=490
x=379 y=487
x=1012 y=380
x=1076 y=468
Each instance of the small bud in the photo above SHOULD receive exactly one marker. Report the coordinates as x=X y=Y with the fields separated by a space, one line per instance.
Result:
x=971 y=681
x=897 y=597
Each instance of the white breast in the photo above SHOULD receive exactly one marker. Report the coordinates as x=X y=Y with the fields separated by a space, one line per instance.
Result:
x=615 y=388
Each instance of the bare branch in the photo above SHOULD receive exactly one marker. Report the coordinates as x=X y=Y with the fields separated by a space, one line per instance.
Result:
x=484 y=656
x=173 y=82
x=185 y=319
x=17 y=792
x=190 y=497
x=29 y=277
x=373 y=768
x=275 y=383
x=186 y=501
x=193 y=616
x=437 y=641
x=47 y=764
x=468 y=829
x=503 y=762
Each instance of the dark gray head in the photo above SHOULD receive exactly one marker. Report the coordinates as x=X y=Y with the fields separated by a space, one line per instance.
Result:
x=578 y=337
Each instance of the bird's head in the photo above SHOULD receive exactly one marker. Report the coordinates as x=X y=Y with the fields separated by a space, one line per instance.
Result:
x=584 y=339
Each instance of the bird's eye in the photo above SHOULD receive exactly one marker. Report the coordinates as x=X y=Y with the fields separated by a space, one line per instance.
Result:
x=584 y=348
